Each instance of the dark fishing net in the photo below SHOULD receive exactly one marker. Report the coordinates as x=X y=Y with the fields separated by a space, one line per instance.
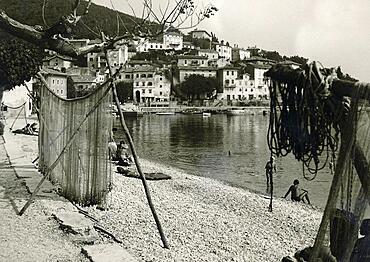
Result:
x=304 y=118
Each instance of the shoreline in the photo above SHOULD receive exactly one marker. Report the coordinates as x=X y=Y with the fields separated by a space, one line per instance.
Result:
x=203 y=219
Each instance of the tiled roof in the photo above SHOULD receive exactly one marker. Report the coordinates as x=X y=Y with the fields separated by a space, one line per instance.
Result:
x=66 y=58
x=289 y=62
x=198 y=68
x=191 y=57
x=49 y=71
x=83 y=79
x=207 y=51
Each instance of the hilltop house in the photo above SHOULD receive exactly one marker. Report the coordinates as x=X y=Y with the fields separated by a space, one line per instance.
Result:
x=200 y=34
x=173 y=39
x=224 y=50
x=238 y=53
x=58 y=61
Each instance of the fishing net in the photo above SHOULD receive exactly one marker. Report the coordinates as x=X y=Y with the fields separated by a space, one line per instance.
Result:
x=73 y=137
x=314 y=121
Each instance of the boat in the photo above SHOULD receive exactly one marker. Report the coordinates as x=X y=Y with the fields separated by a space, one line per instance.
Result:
x=191 y=111
x=206 y=114
x=236 y=112
x=165 y=113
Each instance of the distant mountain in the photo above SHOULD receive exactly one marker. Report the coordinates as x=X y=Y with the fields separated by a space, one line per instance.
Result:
x=99 y=18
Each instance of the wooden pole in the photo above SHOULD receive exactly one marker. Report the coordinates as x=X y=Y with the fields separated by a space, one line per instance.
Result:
x=136 y=159
x=285 y=74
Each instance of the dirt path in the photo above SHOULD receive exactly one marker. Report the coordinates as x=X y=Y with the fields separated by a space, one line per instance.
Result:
x=35 y=236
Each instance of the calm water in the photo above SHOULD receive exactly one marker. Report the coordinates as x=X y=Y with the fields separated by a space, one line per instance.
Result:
x=200 y=145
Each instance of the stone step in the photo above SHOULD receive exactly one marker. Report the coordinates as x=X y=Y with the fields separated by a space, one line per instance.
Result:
x=107 y=253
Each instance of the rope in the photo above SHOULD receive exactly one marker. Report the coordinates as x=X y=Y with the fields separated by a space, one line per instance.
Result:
x=304 y=117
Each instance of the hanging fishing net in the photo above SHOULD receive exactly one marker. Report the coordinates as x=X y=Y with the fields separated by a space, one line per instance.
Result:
x=73 y=137
x=318 y=118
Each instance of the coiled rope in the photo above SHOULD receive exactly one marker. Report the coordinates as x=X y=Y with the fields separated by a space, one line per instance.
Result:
x=304 y=116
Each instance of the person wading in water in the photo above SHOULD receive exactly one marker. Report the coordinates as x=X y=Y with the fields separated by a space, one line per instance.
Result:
x=270 y=170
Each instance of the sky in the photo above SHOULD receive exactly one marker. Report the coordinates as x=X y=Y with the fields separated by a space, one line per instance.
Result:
x=333 y=32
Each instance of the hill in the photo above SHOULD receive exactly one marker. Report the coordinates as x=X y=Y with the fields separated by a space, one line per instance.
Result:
x=99 y=18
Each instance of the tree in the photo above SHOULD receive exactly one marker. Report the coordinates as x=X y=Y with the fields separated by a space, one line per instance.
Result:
x=196 y=86
x=19 y=62
x=298 y=59
x=124 y=91
x=273 y=55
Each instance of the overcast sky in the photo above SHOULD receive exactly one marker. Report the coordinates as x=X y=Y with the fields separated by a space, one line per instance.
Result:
x=334 y=32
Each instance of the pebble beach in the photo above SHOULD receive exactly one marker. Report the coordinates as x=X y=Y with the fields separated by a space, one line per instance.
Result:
x=203 y=219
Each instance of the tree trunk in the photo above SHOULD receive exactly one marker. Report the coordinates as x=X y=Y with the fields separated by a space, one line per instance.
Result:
x=2 y=124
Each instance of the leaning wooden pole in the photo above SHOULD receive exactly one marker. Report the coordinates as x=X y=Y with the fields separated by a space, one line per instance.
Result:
x=136 y=159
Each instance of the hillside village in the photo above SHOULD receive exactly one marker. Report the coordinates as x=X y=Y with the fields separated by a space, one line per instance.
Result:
x=155 y=80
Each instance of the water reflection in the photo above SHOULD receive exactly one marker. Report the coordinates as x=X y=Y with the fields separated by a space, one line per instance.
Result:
x=201 y=146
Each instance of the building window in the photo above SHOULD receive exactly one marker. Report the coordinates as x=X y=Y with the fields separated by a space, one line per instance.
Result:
x=160 y=86
x=185 y=62
x=232 y=81
x=160 y=93
x=150 y=91
x=227 y=73
x=137 y=75
x=127 y=76
x=150 y=83
x=53 y=81
x=227 y=81
x=232 y=73
x=150 y=75
x=143 y=91
x=160 y=79
x=137 y=83
x=143 y=75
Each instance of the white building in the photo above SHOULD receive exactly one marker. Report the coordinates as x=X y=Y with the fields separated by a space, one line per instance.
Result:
x=150 y=86
x=200 y=34
x=58 y=62
x=209 y=53
x=239 y=53
x=224 y=50
x=186 y=71
x=256 y=72
x=192 y=61
x=57 y=81
x=117 y=57
x=172 y=39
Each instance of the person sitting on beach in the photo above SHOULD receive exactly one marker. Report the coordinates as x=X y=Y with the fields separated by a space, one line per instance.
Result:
x=112 y=147
x=33 y=128
x=122 y=155
x=296 y=194
x=361 y=251
x=270 y=170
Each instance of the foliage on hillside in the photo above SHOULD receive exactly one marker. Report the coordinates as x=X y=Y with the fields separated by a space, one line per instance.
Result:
x=99 y=18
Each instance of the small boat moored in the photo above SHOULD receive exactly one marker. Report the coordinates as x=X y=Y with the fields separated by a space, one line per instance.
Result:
x=165 y=113
x=236 y=112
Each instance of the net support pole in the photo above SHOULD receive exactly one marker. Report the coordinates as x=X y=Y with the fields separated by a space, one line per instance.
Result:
x=136 y=159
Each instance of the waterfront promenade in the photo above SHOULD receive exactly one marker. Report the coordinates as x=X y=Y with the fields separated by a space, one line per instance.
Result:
x=203 y=219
